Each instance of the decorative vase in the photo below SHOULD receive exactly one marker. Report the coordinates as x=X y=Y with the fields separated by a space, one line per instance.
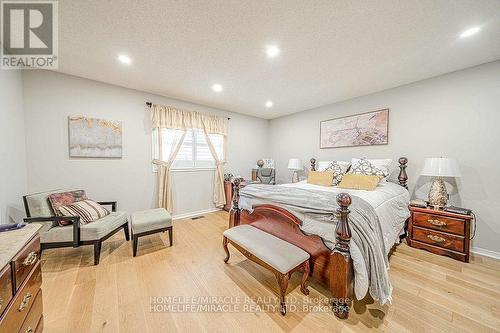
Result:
x=438 y=196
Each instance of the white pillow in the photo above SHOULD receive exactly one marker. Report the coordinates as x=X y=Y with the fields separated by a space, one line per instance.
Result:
x=382 y=166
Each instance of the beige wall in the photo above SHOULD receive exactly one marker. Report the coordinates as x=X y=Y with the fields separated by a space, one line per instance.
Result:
x=50 y=97
x=455 y=115
x=12 y=147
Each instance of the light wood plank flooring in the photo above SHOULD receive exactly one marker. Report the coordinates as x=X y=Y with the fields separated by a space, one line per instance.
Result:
x=431 y=293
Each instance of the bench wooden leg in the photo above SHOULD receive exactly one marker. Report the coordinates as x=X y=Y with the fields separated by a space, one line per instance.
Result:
x=283 y=286
x=224 y=244
x=303 y=285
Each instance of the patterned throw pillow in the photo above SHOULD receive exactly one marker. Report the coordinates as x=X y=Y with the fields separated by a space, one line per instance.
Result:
x=365 y=167
x=88 y=210
x=337 y=172
x=58 y=200
x=339 y=167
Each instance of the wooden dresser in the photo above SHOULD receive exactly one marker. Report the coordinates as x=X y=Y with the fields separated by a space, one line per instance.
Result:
x=440 y=232
x=20 y=280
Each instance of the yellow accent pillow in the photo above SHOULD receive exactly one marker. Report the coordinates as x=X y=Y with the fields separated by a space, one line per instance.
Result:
x=323 y=178
x=359 y=182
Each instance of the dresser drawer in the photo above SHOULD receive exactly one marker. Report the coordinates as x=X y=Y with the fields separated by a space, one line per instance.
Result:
x=23 y=301
x=39 y=327
x=441 y=223
x=34 y=316
x=444 y=240
x=25 y=260
x=5 y=288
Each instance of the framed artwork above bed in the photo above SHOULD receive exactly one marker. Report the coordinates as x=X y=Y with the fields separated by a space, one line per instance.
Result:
x=364 y=129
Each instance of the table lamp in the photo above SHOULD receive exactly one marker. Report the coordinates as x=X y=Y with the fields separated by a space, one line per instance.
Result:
x=294 y=165
x=439 y=167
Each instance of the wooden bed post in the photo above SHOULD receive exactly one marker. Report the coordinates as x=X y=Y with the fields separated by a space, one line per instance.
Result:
x=403 y=177
x=313 y=164
x=341 y=272
x=234 y=213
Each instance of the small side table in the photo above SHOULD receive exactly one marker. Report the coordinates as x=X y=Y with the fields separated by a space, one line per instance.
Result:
x=440 y=232
x=228 y=189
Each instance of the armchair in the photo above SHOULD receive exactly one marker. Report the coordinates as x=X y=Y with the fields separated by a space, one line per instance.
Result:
x=52 y=235
x=265 y=176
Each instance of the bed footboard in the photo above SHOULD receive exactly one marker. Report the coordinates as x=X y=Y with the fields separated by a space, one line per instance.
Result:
x=333 y=267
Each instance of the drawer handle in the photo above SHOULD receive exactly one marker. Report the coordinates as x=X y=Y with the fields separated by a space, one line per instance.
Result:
x=436 y=238
x=29 y=330
x=25 y=302
x=30 y=259
x=437 y=223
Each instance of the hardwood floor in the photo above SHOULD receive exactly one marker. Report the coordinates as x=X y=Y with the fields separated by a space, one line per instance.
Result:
x=431 y=293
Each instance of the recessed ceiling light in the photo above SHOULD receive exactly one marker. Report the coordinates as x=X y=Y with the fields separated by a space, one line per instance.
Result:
x=470 y=32
x=217 y=87
x=272 y=51
x=269 y=104
x=124 y=59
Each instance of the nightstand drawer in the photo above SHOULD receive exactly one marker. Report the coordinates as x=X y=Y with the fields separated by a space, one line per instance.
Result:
x=440 y=223
x=440 y=239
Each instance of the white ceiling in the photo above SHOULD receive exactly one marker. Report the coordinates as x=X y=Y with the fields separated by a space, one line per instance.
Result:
x=330 y=50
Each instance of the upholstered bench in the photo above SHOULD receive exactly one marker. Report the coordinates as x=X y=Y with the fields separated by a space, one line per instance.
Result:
x=271 y=252
x=149 y=222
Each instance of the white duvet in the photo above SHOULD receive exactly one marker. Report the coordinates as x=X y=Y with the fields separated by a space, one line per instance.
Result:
x=390 y=202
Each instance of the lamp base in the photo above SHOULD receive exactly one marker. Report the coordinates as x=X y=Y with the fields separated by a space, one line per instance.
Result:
x=295 y=177
x=438 y=196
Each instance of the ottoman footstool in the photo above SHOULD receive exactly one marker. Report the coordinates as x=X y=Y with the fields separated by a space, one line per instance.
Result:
x=149 y=222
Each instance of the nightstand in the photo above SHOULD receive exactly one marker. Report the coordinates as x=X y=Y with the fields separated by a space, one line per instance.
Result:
x=440 y=232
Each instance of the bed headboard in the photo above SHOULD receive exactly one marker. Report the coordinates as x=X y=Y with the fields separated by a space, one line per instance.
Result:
x=402 y=177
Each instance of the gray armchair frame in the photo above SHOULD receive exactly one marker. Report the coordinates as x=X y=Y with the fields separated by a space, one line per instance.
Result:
x=76 y=242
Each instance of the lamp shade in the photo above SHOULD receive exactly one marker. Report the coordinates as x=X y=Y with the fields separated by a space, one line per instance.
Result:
x=294 y=164
x=440 y=167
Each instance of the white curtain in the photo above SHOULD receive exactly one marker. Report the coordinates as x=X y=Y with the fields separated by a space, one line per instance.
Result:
x=172 y=118
x=219 y=193
x=164 y=173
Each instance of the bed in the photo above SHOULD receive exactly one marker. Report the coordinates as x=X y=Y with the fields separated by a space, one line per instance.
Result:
x=335 y=260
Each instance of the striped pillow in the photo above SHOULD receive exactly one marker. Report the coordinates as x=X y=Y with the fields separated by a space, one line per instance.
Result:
x=88 y=210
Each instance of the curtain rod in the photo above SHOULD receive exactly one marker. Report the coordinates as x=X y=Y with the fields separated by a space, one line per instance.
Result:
x=149 y=104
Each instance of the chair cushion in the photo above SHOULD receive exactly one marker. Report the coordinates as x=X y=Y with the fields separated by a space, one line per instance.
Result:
x=88 y=210
x=149 y=220
x=39 y=205
x=277 y=253
x=88 y=232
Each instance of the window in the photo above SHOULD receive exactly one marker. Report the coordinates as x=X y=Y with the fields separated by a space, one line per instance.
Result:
x=194 y=152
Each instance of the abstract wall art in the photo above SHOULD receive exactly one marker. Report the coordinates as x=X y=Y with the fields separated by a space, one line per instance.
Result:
x=363 y=129
x=92 y=137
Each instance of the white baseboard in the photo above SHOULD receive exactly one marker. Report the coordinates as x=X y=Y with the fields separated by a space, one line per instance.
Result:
x=487 y=253
x=196 y=213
